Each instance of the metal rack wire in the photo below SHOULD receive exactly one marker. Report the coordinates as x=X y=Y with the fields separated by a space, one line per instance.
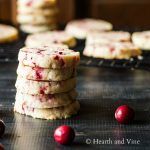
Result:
x=134 y=63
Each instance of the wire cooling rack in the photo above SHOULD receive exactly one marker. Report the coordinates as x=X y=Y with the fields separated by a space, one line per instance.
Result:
x=143 y=62
x=9 y=52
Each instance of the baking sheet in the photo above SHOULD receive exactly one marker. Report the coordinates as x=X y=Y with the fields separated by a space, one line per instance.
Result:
x=102 y=85
x=101 y=90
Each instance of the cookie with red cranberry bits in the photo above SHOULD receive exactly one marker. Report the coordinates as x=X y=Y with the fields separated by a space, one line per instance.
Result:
x=49 y=114
x=44 y=87
x=8 y=33
x=119 y=50
x=46 y=38
x=142 y=39
x=47 y=100
x=49 y=57
x=80 y=28
x=36 y=3
x=37 y=73
x=108 y=37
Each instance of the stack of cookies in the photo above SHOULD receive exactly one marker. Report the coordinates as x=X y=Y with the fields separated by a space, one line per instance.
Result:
x=37 y=15
x=46 y=82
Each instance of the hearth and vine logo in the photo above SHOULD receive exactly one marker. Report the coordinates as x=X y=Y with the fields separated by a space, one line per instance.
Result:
x=109 y=141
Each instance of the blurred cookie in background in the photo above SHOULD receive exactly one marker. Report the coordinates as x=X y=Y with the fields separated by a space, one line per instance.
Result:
x=8 y=33
x=80 y=28
x=37 y=15
x=142 y=39
x=116 y=50
x=108 y=37
x=50 y=37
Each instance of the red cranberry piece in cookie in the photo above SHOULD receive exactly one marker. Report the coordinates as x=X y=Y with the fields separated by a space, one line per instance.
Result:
x=24 y=106
x=60 y=53
x=62 y=62
x=50 y=96
x=42 y=90
x=112 y=49
x=57 y=57
x=29 y=3
x=38 y=72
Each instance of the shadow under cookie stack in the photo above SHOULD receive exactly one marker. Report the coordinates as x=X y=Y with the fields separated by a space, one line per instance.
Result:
x=46 y=82
x=37 y=15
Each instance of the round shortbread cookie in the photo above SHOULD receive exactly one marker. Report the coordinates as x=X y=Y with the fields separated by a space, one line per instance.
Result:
x=28 y=28
x=80 y=28
x=46 y=38
x=36 y=3
x=8 y=33
x=25 y=10
x=119 y=50
x=47 y=101
x=49 y=114
x=49 y=57
x=44 y=87
x=36 y=19
x=108 y=37
x=142 y=39
x=37 y=73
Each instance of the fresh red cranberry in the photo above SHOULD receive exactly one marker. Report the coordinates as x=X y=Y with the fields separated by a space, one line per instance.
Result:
x=2 y=128
x=124 y=114
x=64 y=135
x=1 y=147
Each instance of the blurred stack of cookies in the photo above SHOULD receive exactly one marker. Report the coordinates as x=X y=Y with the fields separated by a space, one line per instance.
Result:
x=46 y=82
x=37 y=15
